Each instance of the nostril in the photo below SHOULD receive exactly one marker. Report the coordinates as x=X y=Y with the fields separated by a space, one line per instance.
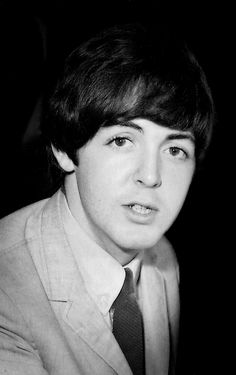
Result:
x=147 y=183
x=140 y=181
x=159 y=183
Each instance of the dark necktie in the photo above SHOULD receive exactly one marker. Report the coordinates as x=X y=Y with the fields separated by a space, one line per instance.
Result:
x=128 y=325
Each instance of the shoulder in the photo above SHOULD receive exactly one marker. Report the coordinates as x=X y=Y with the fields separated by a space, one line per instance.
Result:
x=12 y=227
x=15 y=259
x=23 y=237
x=164 y=258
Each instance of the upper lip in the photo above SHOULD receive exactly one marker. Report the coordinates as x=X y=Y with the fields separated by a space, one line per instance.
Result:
x=144 y=204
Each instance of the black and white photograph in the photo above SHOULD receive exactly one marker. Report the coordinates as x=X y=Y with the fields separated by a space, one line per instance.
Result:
x=116 y=201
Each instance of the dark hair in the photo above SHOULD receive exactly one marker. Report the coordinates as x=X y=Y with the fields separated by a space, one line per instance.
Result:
x=123 y=73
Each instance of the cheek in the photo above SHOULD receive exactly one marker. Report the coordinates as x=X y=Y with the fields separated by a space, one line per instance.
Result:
x=95 y=185
x=178 y=186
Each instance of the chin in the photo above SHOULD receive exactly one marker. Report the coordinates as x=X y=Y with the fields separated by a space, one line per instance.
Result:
x=140 y=243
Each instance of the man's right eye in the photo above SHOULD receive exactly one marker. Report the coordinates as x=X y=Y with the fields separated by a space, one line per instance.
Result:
x=119 y=141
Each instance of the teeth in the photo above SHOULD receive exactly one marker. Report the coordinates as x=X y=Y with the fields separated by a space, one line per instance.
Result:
x=141 y=209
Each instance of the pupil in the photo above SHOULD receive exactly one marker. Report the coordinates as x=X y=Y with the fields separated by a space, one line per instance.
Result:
x=175 y=150
x=120 y=141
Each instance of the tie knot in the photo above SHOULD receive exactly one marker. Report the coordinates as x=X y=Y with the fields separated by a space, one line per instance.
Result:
x=127 y=289
x=129 y=280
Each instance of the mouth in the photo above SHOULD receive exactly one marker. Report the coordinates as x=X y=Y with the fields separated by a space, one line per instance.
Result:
x=142 y=209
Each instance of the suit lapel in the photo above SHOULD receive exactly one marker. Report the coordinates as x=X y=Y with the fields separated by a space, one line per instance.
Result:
x=82 y=315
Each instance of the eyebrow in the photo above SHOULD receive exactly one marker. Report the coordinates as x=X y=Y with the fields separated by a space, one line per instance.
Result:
x=130 y=124
x=181 y=135
x=170 y=137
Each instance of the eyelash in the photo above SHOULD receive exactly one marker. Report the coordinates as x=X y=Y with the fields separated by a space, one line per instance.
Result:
x=186 y=155
x=121 y=138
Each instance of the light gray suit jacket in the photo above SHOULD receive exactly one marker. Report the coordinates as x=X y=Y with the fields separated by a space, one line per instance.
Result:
x=48 y=322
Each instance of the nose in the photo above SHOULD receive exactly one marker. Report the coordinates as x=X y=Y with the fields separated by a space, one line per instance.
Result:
x=148 y=171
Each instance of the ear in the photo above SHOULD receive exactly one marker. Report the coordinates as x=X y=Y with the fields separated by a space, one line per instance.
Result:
x=63 y=160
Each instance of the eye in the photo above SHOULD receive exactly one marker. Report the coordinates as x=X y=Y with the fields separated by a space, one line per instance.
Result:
x=120 y=141
x=177 y=153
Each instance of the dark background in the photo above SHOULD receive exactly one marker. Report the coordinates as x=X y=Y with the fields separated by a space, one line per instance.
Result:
x=35 y=36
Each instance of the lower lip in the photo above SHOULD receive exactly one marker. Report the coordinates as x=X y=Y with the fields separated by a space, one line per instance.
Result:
x=140 y=218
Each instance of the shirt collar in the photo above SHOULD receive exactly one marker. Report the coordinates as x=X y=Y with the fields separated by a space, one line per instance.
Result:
x=102 y=274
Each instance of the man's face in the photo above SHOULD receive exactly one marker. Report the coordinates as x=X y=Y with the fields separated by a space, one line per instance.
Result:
x=132 y=181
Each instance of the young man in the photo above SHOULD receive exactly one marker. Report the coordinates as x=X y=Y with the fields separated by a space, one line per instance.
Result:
x=127 y=124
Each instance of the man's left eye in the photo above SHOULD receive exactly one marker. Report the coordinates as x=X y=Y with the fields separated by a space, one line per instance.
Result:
x=177 y=152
